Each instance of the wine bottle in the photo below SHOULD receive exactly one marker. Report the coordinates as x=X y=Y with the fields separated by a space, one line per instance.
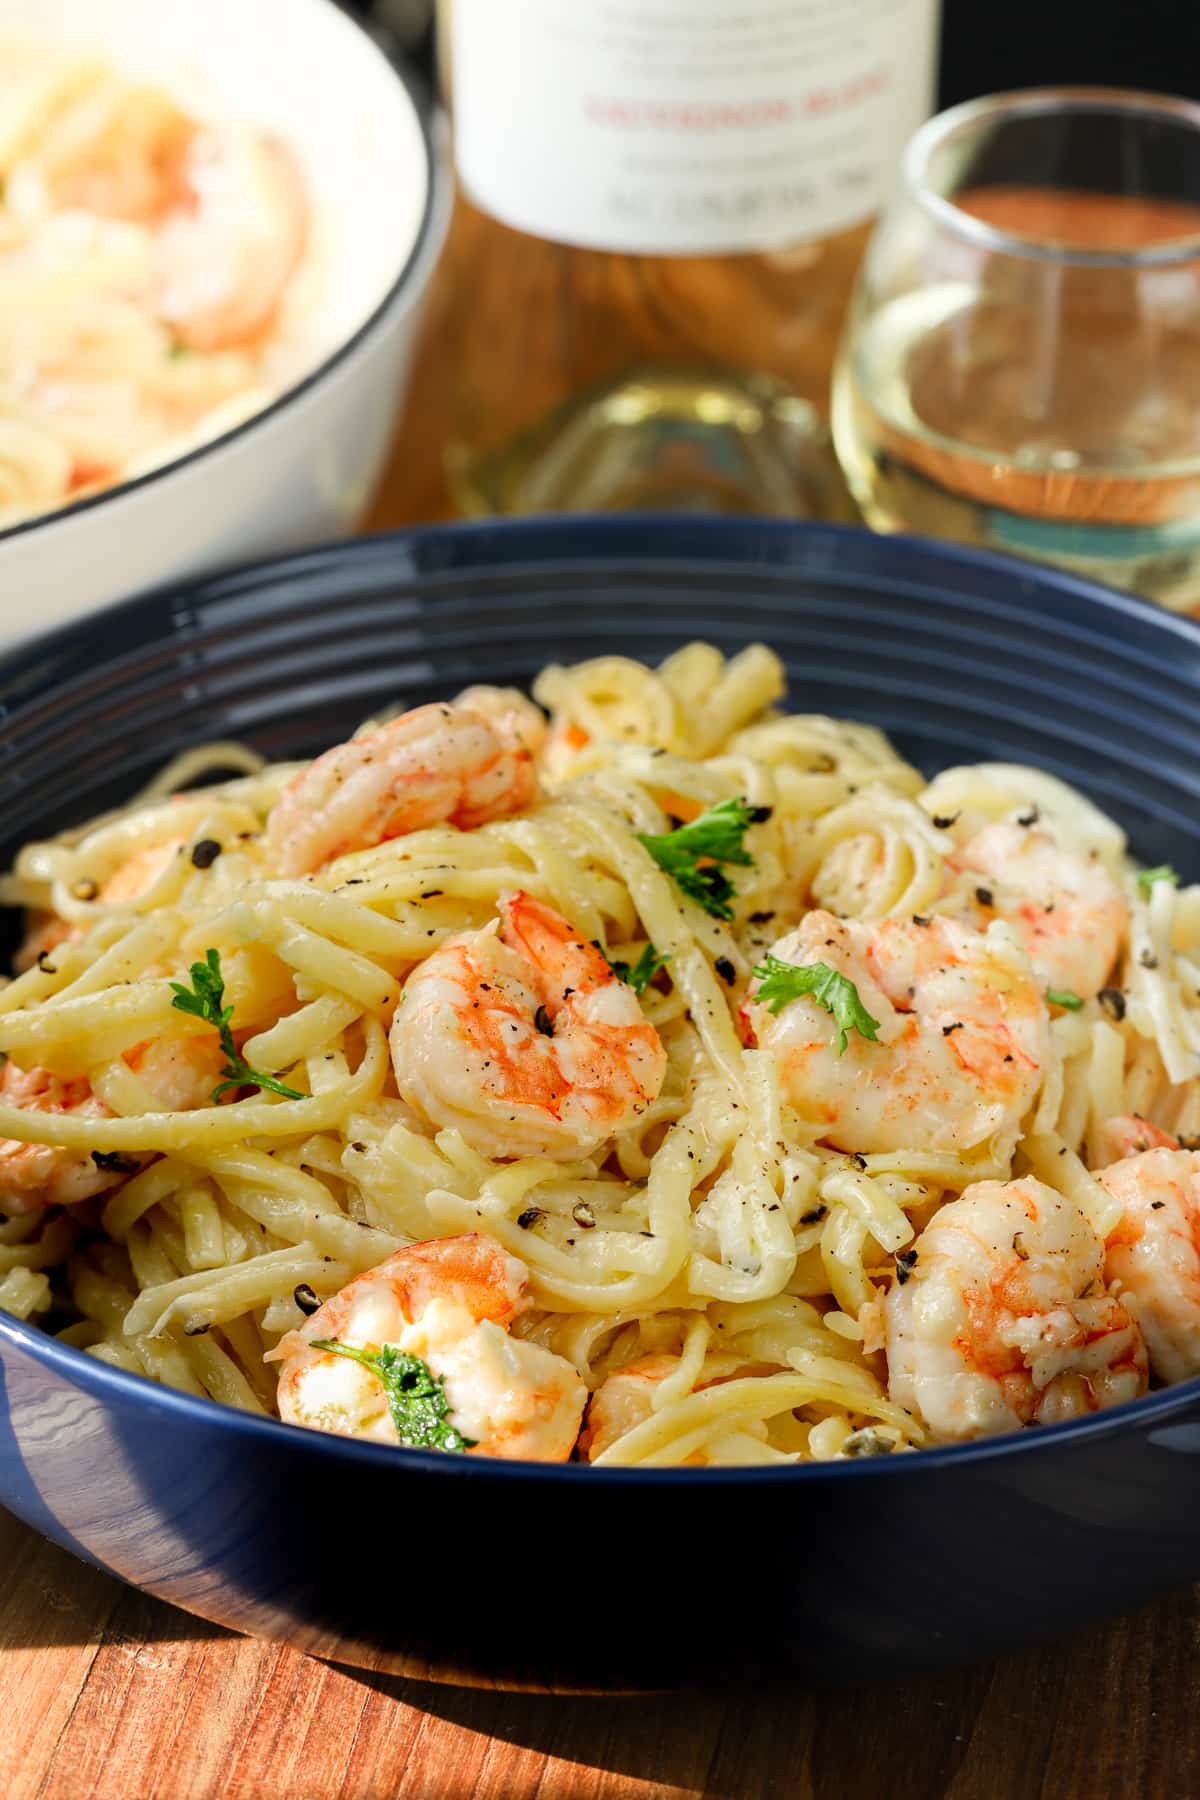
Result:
x=662 y=205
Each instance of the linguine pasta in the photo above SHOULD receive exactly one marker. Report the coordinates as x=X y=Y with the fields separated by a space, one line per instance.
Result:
x=723 y=1229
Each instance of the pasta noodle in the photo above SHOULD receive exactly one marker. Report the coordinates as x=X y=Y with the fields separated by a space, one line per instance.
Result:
x=722 y=1230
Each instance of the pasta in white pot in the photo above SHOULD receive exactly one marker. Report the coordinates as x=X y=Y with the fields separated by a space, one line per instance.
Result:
x=189 y=307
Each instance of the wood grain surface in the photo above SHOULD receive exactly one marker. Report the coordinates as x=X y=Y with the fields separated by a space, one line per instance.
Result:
x=108 y=1695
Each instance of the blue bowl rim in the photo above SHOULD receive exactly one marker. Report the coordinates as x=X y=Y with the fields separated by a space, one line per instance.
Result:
x=510 y=543
x=509 y=538
x=424 y=113
x=119 y=1386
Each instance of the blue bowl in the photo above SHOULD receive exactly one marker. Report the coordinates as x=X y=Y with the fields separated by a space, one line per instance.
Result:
x=567 y=1577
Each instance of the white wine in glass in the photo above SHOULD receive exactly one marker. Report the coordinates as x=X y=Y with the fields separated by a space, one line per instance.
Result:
x=1020 y=367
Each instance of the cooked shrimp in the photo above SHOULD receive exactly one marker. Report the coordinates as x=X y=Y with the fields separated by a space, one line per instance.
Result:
x=1130 y=1134
x=437 y=765
x=33 y=1176
x=225 y=207
x=522 y=1038
x=234 y=236
x=623 y=1400
x=1154 y=1253
x=138 y=873
x=1000 y=1317
x=963 y=1035
x=1069 y=912
x=510 y=710
x=451 y=1302
x=115 y=151
x=179 y=1072
x=45 y=931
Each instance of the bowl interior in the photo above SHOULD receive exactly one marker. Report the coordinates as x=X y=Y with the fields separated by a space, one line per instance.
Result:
x=959 y=656
x=297 y=68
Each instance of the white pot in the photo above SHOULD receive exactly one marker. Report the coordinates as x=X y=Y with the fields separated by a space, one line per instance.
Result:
x=304 y=468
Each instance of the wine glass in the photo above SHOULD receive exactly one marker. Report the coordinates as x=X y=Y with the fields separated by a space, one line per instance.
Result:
x=1020 y=367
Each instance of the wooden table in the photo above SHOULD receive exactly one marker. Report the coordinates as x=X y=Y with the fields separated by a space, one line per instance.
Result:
x=108 y=1695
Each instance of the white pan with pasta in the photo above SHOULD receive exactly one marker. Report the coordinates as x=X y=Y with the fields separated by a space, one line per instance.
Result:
x=217 y=223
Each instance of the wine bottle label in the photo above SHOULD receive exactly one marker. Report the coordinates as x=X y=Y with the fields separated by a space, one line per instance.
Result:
x=687 y=126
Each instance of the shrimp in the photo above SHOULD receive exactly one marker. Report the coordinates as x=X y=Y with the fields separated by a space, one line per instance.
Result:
x=1000 y=1317
x=225 y=208
x=963 y=1035
x=33 y=1176
x=45 y=931
x=521 y=1037
x=437 y=765
x=139 y=872
x=451 y=1302
x=180 y=1073
x=510 y=711
x=1154 y=1253
x=114 y=151
x=1067 y=909
x=623 y=1400
x=1130 y=1134
x=232 y=239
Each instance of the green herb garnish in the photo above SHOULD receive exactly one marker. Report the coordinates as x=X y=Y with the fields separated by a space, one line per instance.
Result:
x=416 y=1396
x=717 y=836
x=640 y=974
x=203 y=1000
x=1146 y=878
x=1065 y=998
x=782 y=982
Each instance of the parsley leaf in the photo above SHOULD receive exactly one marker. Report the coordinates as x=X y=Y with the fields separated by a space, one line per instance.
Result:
x=781 y=982
x=718 y=836
x=203 y=1000
x=640 y=974
x=416 y=1397
x=1146 y=878
x=1065 y=998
